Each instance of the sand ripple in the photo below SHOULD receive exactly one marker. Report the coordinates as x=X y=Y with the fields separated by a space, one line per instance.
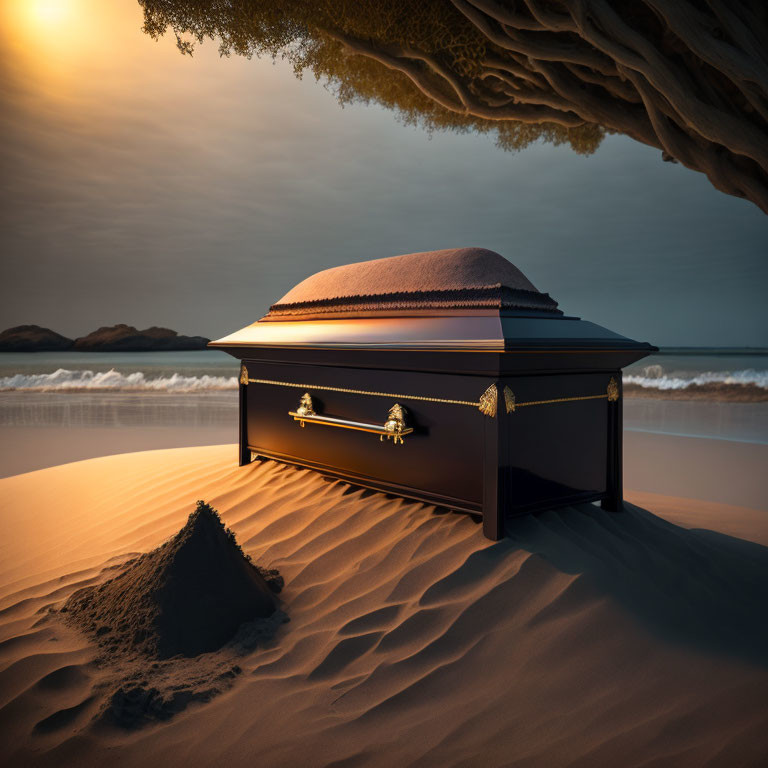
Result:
x=586 y=638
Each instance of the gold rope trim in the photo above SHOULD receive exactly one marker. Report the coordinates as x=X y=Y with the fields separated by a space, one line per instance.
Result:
x=486 y=404
x=560 y=400
x=473 y=403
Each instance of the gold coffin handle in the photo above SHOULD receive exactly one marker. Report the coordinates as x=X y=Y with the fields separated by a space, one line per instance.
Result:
x=394 y=428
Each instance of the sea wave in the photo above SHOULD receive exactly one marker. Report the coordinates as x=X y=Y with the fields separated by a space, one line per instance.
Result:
x=63 y=380
x=654 y=377
x=651 y=380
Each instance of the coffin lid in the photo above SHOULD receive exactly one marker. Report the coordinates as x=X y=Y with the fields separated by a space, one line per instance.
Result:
x=462 y=299
x=456 y=278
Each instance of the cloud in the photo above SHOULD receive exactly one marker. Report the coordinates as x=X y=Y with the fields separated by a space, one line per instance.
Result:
x=155 y=189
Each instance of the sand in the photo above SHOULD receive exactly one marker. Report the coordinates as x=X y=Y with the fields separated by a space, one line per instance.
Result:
x=724 y=471
x=187 y=597
x=159 y=618
x=585 y=639
x=24 y=450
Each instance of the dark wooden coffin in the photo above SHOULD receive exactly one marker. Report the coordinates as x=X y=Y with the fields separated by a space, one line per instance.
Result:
x=444 y=377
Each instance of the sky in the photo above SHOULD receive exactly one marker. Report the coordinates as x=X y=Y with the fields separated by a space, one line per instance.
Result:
x=140 y=186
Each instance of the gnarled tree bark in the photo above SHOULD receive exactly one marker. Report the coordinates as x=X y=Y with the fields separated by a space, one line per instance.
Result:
x=689 y=77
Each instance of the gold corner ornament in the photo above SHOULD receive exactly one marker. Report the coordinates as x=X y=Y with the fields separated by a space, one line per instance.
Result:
x=509 y=400
x=489 y=401
x=612 y=390
x=243 y=375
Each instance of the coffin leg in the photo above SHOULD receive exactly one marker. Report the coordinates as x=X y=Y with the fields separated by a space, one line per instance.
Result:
x=493 y=519
x=495 y=477
x=614 y=501
x=612 y=504
x=246 y=456
x=245 y=451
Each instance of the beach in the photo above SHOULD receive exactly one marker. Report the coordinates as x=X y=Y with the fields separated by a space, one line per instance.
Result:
x=584 y=638
x=383 y=385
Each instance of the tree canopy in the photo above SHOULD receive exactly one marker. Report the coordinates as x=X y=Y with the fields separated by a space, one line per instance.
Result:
x=689 y=77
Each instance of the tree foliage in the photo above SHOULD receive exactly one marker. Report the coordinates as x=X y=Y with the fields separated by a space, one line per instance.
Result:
x=689 y=77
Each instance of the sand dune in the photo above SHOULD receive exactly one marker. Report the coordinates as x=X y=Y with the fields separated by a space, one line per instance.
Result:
x=585 y=639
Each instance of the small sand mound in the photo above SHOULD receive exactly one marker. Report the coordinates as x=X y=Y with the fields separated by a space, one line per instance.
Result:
x=187 y=597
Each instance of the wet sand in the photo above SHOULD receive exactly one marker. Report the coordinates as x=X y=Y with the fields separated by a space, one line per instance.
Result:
x=724 y=471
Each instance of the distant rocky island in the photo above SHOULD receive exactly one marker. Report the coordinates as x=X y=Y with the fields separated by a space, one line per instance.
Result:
x=114 y=338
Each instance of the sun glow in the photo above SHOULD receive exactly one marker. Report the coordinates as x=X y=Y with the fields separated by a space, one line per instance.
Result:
x=49 y=38
x=36 y=18
x=74 y=53
x=48 y=12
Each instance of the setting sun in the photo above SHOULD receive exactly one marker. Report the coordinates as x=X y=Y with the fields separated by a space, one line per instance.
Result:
x=35 y=17
x=52 y=40
x=31 y=19
x=48 y=11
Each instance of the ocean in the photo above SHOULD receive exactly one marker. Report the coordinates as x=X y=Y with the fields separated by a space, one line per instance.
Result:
x=214 y=371
x=676 y=370
x=136 y=372
x=64 y=406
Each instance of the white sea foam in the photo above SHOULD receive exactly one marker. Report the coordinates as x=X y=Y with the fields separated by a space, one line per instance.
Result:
x=654 y=377
x=63 y=380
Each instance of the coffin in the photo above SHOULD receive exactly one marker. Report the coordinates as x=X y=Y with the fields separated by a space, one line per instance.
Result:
x=444 y=377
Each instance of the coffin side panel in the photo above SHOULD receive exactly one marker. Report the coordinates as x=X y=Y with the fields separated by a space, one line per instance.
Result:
x=557 y=451
x=443 y=456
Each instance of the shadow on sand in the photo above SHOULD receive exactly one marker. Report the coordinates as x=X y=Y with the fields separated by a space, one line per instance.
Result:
x=696 y=587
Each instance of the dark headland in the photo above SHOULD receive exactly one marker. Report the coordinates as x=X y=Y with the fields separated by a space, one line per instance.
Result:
x=114 y=338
